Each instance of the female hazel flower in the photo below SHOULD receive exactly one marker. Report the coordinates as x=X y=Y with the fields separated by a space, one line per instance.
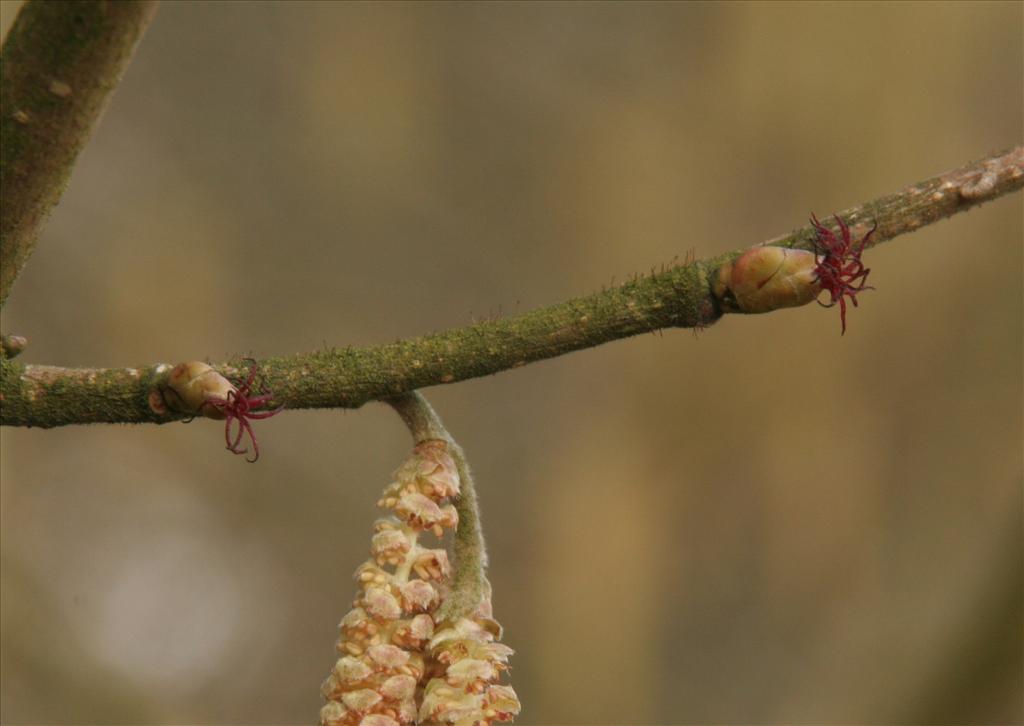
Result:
x=770 y=277
x=839 y=271
x=196 y=388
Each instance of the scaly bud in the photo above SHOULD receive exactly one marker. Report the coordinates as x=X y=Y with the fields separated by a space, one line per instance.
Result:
x=763 y=279
x=191 y=386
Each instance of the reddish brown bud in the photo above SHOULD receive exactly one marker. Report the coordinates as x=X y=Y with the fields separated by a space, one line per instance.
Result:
x=763 y=279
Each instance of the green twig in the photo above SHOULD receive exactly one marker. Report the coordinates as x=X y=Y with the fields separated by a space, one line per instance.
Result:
x=677 y=297
x=60 y=62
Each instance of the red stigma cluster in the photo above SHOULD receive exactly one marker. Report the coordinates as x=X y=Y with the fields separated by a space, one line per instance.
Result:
x=839 y=270
x=238 y=407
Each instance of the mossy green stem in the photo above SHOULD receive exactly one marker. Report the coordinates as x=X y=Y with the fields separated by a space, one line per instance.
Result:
x=59 y=64
x=681 y=296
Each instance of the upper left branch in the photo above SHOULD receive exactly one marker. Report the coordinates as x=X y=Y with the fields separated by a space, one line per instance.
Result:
x=59 y=64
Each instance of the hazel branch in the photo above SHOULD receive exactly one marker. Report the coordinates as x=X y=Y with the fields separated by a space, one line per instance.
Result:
x=680 y=296
x=469 y=582
x=59 y=64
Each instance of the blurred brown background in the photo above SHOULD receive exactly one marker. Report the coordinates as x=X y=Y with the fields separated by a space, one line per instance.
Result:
x=767 y=524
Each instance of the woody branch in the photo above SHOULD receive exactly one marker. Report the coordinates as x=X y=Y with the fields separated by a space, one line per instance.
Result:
x=680 y=296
